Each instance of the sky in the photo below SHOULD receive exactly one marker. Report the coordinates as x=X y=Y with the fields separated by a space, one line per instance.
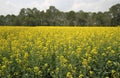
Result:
x=14 y=6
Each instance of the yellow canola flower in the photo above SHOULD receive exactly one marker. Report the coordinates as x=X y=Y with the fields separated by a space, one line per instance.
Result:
x=109 y=48
x=70 y=66
x=46 y=65
x=69 y=75
x=109 y=62
x=94 y=51
x=91 y=72
x=113 y=71
x=66 y=47
x=103 y=54
x=3 y=67
x=16 y=73
x=89 y=59
x=84 y=62
x=26 y=55
x=57 y=69
x=81 y=75
x=18 y=60
x=87 y=54
x=36 y=69
x=63 y=59
x=4 y=58
x=112 y=51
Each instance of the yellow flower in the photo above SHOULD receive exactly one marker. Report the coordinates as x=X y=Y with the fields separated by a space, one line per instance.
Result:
x=26 y=55
x=109 y=62
x=48 y=70
x=112 y=51
x=87 y=55
x=84 y=62
x=36 y=69
x=91 y=72
x=0 y=72
x=94 y=51
x=113 y=71
x=89 y=58
x=103 y=54
x=52 y=73
x=39 y=73
x=81 y=75
x=57 y=69
x=18 y=60
x=4 y=58
x=46 y=65
x=70 y=66
x=69 y=75
x=109 y=48
x=63 y=59
x=3 y=67
x=16 y=73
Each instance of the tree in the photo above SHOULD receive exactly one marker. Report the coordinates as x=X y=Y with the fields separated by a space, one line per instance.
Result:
x=115 y=14
x=54 y=17
x=2 y=20
x=22 y=16
x=81 y=17
x=71 y=16
x=10 y=20
x=106 y=18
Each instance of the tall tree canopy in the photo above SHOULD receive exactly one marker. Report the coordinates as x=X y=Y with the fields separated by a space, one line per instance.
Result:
x=115 y=14
x=55 y=17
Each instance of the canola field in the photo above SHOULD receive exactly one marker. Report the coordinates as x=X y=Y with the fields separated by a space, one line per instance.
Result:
x=59 y=52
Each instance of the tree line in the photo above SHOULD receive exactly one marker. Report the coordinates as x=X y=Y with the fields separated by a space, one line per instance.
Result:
x=55 y=17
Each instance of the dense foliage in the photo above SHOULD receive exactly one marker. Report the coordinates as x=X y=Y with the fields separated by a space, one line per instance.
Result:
x=54 y=17
x=59 y=52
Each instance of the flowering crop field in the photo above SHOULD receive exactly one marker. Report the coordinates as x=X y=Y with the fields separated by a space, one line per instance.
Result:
x=59 y=52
